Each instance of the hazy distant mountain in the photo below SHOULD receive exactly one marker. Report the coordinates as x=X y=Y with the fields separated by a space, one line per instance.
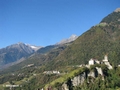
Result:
x=18 y=52
x=46 y=49
x=70 y=39
x=15 y=52
x=62 y=42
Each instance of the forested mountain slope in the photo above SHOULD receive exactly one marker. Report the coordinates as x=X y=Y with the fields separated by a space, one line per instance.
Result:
x=99 y=40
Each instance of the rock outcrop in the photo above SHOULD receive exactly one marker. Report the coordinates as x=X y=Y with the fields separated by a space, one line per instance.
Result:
x=117 y=10
x=78 y=80
x=91 y=74
x=99 y=70
x=65 y=87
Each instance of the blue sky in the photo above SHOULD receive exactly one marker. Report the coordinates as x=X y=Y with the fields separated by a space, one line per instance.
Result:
x=46 y=22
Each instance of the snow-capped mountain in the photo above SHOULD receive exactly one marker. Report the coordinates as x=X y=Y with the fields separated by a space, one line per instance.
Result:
x=15 y=52
x=70 y=39
x=20 y=50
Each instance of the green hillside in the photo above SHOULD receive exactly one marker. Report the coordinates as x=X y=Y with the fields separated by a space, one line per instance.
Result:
x=99 y=40
x=95 y=43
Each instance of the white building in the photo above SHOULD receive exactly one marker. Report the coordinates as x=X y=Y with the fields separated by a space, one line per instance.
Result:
x=105 y=58
x=56 y=72
x=51 y=72
x=106 y=62
x=11 y=85
x=97 y=61
x=91 y=62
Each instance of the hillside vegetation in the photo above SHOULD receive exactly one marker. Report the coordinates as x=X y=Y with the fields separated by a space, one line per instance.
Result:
x=99 y=40
x=95 y=43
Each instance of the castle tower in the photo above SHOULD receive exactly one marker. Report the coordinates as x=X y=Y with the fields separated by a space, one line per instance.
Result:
x=106 y=62
x=105 y=58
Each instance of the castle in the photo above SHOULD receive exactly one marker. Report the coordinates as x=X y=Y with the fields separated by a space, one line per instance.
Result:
x=105 y=61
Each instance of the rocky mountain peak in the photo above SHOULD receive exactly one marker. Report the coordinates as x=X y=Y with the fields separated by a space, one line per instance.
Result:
x=15 y=52
x=70 y=39
x=117 y=10
x=73 y=37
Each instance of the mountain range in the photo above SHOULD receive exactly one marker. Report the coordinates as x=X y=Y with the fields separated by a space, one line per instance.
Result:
x=95 y=43
x=20 y=51
x=101 y=39
x=15 y=53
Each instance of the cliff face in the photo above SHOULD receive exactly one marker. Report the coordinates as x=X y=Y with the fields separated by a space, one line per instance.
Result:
x=79 y=79
x=65 y=87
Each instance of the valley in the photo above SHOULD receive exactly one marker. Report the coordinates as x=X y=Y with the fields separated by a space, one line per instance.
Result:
x=88 y=62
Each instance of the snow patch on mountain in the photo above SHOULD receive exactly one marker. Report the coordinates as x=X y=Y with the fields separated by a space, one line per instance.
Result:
x=35 y=48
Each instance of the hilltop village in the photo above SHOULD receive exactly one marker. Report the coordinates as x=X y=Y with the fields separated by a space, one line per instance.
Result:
x=81 y=77
x=104 y=61
x=90 y=62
